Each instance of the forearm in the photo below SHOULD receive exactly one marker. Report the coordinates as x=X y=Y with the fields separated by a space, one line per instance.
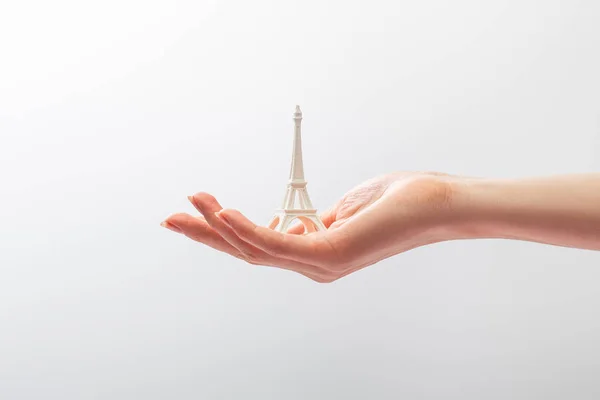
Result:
x=560 y=210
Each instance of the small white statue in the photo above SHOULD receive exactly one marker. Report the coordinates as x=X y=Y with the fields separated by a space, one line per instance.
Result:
x=296 y=203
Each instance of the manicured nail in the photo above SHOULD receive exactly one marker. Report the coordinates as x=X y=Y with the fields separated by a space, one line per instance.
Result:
x=170 y=226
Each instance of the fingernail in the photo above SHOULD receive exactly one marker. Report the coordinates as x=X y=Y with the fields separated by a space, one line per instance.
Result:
x=170 y=226
x=193 y=201
x=222 y=217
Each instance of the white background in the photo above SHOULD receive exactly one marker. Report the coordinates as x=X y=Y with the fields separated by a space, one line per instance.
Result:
x=112 y=112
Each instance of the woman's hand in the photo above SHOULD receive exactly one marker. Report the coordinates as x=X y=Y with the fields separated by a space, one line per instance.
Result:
x=398 y=212
x=377 y=219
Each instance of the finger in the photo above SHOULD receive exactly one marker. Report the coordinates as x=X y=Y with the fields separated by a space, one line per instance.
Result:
x=328 y=218
x=205 y=203
x=198 y=229
x=305 y=249
x=208 y=205
x=274 y=222
x=297 y=229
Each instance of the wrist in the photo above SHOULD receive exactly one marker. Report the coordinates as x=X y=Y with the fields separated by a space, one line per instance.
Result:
x=443 y=203
x=479 y=208
x=494 y=208
x=555 y=210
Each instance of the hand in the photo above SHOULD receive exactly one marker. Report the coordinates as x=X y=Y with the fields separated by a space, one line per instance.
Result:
x=378 y=219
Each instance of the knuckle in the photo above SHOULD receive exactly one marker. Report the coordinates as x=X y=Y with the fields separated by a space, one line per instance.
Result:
x=252 y=259
x=245 y=258
x=277 y=249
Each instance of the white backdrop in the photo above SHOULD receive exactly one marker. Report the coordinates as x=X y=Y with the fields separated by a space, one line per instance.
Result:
x=112 y=112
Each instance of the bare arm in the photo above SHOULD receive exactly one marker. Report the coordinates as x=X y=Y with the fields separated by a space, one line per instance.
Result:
x=397 y=212
x=560 y=210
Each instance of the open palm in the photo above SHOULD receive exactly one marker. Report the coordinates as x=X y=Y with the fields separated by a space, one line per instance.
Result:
x=375 y=220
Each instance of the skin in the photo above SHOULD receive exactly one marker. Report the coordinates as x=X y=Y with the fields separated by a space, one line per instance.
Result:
x=397 y=212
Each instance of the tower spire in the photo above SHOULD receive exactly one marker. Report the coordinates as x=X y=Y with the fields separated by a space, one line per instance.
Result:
x=297 y=168
x=296 y=203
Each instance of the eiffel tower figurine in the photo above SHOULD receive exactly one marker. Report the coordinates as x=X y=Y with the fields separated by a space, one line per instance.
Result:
x=296 y=203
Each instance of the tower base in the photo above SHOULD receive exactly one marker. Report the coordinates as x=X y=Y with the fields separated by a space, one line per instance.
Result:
x=309 y=218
